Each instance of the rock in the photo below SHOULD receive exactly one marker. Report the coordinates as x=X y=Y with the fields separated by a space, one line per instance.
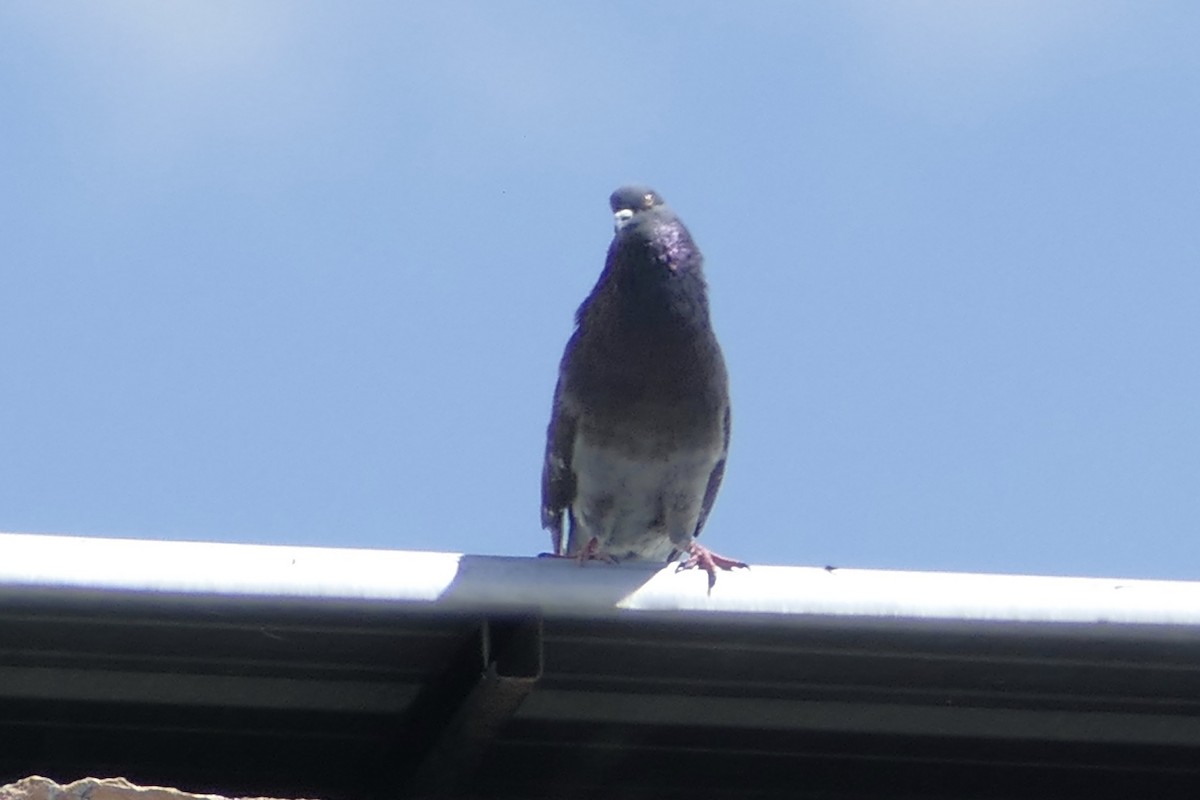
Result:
x=39 y=788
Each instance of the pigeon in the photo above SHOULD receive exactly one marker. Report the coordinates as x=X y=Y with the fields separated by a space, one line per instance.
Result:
x=639 y=431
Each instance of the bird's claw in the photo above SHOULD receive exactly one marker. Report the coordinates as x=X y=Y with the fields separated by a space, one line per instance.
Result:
x=701 y=556
x=592 y=552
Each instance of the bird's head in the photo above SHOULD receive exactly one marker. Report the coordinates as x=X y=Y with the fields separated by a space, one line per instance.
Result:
x=649 y=234
x=630 y=204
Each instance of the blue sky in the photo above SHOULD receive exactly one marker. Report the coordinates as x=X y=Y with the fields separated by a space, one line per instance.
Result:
x=302 y=272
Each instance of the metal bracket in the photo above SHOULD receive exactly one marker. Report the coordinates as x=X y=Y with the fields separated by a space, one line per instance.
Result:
x=503 y=662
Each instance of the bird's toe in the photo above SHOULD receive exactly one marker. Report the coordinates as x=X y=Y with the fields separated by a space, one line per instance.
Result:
x=710 y=562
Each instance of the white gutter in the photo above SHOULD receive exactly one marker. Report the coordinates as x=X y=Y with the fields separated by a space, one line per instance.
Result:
x=561 y=587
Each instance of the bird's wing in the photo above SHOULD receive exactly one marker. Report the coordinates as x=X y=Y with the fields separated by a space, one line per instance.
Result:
x=558 y=479
x=714 y=478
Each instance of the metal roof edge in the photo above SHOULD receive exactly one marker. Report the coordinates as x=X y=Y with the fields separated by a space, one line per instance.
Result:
x=560 y=587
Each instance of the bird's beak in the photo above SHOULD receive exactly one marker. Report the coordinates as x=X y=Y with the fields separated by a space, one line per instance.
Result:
x=621 y=218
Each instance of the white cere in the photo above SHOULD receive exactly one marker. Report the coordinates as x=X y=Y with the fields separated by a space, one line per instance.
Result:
x=621 y=218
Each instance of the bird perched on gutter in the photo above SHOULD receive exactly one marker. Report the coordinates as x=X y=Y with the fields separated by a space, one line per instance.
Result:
x=639 y=431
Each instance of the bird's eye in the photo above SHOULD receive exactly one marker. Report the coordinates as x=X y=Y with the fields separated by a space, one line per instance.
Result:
x=621 y=218
x=648 y=200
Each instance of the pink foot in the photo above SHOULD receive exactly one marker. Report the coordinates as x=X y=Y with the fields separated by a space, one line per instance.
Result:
x=701 y=556
x=590 y=552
